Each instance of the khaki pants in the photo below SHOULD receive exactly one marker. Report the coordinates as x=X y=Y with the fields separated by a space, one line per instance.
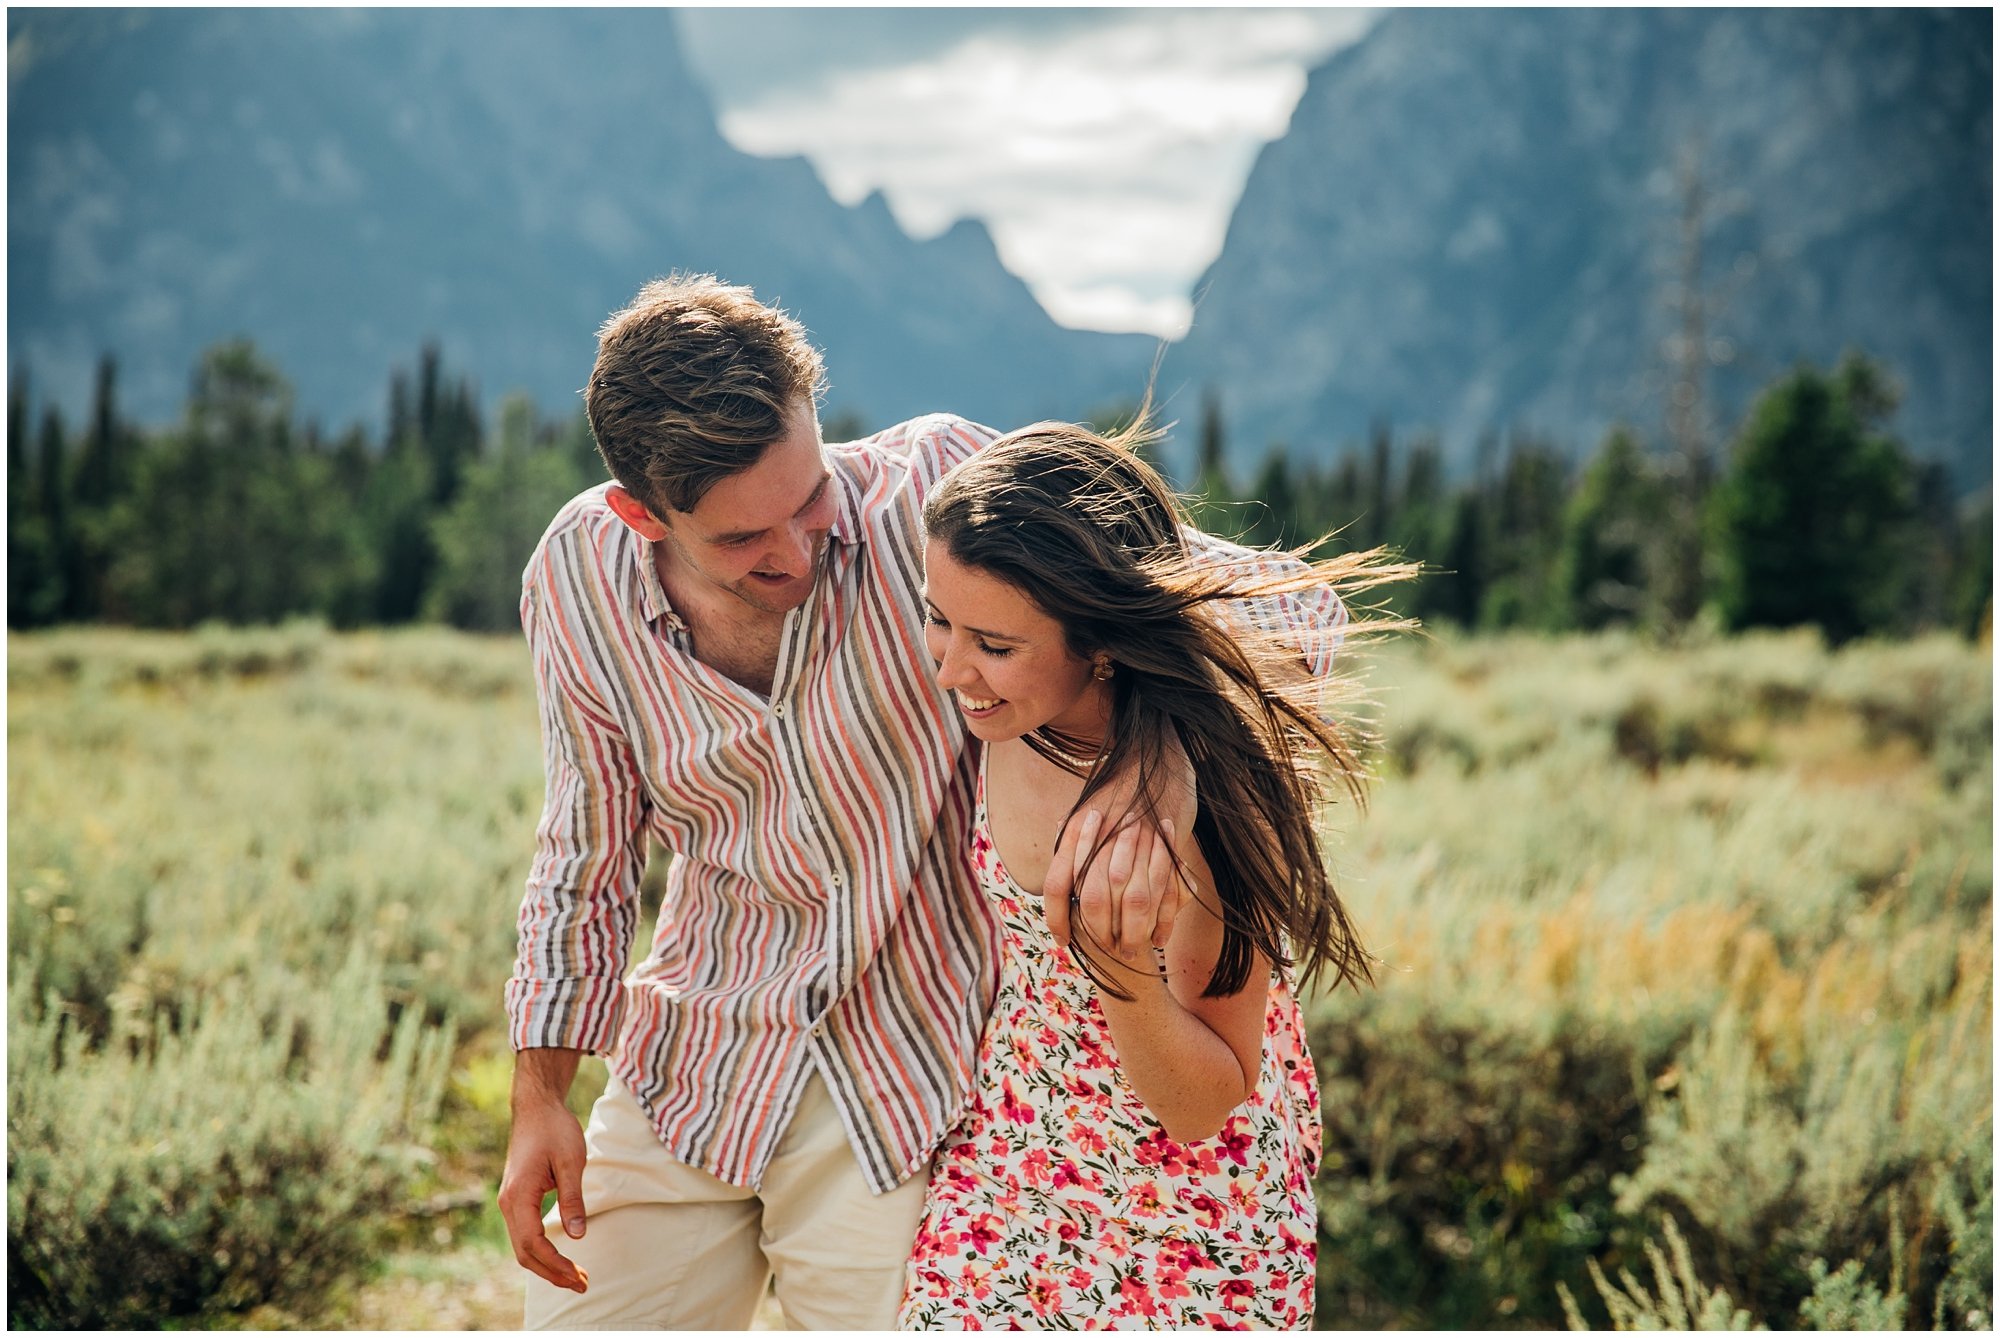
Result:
x=672 y=1247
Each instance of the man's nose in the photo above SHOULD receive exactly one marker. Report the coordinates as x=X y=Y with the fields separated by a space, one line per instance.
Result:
x=797 y=553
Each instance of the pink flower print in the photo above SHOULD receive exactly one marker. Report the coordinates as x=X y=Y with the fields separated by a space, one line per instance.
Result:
x=984 y=1230
x=1235 y=1140
x=1173 y=1284
x=1044 y=1296
x=1079 y=1278
x=1035 y=1166
x=1137 y=1298
x=977 y=1279
x=1065 y=1174
x=1012 y=1107
x=1152 y=1149
x=1086 y=1139
x=1091 y=1054
x=1078 y=1088
x=1202 y=1162
x=1236 y=1294
x=1067 y=1230
x=1242 y=1198
x=1145 y=1199
x=1207 y=1211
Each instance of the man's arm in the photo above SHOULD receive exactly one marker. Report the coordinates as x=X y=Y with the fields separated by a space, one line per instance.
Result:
x=544 y=1152
x=577 y=921
x=1313 y=619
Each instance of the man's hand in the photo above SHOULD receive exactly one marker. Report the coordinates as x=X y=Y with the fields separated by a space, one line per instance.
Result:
x=544 y=1152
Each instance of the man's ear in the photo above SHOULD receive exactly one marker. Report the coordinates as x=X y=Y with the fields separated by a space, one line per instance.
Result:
x=634 y=513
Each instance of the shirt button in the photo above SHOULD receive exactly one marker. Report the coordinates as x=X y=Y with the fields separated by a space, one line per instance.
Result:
x=818 y=1030
x=836 y=880
x=779 y=709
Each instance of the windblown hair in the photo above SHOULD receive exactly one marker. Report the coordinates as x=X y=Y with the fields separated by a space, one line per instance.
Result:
x=693 y=381
x=1096 y=538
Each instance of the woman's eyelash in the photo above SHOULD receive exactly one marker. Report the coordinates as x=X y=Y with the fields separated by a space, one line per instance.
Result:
x=935 y=620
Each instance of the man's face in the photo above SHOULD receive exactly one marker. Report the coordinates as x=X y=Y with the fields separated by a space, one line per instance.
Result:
x=759 y=534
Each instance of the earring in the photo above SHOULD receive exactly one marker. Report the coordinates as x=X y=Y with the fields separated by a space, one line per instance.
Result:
x=1101 y=671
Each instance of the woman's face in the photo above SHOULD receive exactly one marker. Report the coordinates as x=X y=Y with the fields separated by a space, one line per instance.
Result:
x=1003 y=659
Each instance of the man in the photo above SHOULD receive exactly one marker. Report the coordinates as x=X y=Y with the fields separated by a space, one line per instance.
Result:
x=729 y=655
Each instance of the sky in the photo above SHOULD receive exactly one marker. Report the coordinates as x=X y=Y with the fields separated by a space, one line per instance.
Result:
x=1103 y=148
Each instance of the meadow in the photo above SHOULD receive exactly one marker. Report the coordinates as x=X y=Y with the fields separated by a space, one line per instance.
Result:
x=1684 y=1013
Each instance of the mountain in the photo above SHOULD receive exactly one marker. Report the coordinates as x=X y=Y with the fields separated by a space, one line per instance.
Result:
x=1472 y=226
x=342 y=186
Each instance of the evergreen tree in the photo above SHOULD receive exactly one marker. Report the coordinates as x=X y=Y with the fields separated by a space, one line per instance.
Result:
x=103 y=479
x=34 y=583
x=1805 y=520
x=1926 y=549
x=52 y=601
x=1214 y=502
x=1377 y=519
x=578 y=445
x=1526 y=513
x=1342 y=497
x=1608 y=530
x=485 y=539
x=1971 y=596
x=1273 y=514
x=228 y=519
x=1459 y=590
x=1211 y=444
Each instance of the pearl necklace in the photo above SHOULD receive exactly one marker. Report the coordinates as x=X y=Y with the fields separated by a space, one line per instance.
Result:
x=1073 y=762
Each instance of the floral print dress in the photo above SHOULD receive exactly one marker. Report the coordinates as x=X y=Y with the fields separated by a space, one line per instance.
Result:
x=1058 y=1201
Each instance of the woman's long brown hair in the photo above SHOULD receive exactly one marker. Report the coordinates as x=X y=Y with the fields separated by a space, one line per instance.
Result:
x=1094 y=536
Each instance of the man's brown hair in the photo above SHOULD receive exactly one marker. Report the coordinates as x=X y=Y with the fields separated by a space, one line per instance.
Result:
x=693 y=381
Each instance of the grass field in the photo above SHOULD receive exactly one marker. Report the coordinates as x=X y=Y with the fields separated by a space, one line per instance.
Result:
x=1683 y=951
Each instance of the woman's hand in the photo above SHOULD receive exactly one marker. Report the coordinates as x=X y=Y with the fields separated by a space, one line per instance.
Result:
x=1137 y=879
x=1127 y=904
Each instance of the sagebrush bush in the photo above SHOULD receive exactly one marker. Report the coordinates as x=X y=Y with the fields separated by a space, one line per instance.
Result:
x=1706 y=931
x=245 y=1157
x=1468 y=1164
x=1701 y=935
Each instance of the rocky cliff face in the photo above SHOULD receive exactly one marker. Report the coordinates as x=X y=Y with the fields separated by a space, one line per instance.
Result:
x=1472 y=225
x=341 y=186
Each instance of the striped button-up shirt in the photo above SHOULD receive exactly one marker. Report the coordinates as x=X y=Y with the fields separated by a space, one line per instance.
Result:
x=818 y=913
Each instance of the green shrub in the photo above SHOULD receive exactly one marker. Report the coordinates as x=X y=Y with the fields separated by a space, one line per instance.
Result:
x=245 y=1158
x=1680 y=1299
x=1468 y=1164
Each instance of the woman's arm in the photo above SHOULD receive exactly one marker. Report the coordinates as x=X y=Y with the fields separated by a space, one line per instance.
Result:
x=1192 y=1060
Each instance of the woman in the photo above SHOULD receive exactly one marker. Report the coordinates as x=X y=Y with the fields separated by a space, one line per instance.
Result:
x=1139 y=1146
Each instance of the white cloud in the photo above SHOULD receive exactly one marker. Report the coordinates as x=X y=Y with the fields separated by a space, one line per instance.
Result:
x=1104 y=160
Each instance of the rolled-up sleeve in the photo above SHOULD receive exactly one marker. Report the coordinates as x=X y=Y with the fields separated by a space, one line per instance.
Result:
x=580 y=909
x=1312 y=618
